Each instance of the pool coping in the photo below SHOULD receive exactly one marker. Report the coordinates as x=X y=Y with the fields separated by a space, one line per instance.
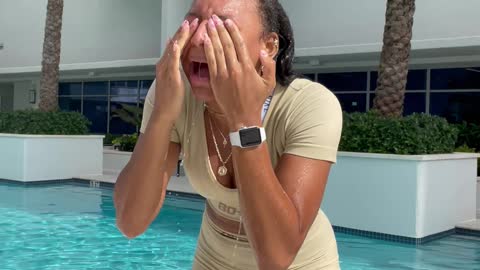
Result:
x=338 y=229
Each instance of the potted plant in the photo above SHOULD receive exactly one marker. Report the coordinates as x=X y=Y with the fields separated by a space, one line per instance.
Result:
x=401 y=176
x=39 y=146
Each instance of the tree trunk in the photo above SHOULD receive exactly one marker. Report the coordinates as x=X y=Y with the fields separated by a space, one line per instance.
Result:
x=393 y=71
x=51 y=56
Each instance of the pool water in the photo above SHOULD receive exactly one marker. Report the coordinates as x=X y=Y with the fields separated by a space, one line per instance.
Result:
x=73 y=227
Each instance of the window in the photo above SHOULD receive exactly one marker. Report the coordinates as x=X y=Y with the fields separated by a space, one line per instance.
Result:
x=98 y=101
x=96 y=110
x=416 y=80
x=414 y=103
x=144 y=86
x=119 y=88
x=70 y=104
x=353 y=102
x=456 y=107
x=70 y=89
x=95 y=89
x=338 y=82
x=309 y=76
x=455 y=78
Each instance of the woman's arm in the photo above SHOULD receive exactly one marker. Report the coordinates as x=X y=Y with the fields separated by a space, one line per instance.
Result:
x=278 y=206
x=141 y=186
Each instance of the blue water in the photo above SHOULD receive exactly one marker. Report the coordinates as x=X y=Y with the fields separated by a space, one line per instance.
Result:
x=73 y=227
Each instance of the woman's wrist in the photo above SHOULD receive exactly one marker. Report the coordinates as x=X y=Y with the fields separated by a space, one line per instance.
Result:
x=249 y=121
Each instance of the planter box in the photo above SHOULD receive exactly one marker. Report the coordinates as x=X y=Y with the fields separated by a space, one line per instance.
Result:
x=114 y=161
x=478 y=197
x=410 y=196
x=39 y=158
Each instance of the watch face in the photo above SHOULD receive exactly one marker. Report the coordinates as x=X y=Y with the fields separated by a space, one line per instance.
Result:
x=250 y=137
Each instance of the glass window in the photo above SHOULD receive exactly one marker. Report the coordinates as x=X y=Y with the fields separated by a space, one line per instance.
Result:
x=352 y=81
x=456 y=107
x=70 y=89
x=70 y=104
x=95 y=109
x=124 y=88
x=455 y=78
x=416 y=79
x=95 y=88
x=414 y=103
x=144 y=86
x=353 y=102
x=127 y=107
x=309 y=76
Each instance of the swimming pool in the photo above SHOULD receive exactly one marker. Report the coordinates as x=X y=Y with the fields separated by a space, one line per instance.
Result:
x=70 y=226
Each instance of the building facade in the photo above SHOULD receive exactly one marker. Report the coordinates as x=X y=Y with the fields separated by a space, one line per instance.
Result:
x=110 y=47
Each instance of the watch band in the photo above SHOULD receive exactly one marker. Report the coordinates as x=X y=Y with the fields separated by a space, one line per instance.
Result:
x=236 y=141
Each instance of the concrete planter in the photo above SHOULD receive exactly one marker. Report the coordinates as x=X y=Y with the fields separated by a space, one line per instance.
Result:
x=38 y=158
x=410 y=196
x=478 y=197
x=114 y=161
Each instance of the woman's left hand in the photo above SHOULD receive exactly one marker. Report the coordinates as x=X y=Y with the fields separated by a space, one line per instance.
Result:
x=239 y=89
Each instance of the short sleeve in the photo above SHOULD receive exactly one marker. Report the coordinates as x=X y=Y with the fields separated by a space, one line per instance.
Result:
x=147 y=112
x=314 y=124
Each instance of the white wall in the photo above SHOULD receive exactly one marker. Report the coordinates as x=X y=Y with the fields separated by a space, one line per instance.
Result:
x=344 y=26
x=93 y=31
x=412 y=196
x=173 y=13
x=446 y=194
x=373 y=195
x=38 y=158
x=21 y=94
x=6 y=96
x=478 y=197
x=11 y=158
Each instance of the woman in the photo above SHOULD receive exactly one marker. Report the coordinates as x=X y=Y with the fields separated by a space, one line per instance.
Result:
x=258 y=143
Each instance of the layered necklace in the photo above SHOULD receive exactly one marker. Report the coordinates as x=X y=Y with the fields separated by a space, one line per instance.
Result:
x=222 y=170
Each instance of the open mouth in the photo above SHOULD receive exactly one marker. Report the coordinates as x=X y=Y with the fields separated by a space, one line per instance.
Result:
x=199 y=71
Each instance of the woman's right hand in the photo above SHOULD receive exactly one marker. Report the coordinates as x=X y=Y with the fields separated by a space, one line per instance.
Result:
x=169 y=86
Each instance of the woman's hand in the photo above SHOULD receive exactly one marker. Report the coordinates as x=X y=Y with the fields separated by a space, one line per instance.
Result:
x=170 y=88
x=239 y=89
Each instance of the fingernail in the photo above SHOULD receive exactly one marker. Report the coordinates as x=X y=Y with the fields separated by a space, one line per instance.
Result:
x=263 y=53
x=228 y=22
x=217 y=20
x=194 y=23
x=211 y=23
x=185 y=23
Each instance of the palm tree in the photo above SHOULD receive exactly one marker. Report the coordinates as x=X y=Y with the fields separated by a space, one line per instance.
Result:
x=51 y=56
x=393 y=71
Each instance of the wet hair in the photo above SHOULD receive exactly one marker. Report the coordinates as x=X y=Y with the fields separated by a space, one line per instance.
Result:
x=275 y=20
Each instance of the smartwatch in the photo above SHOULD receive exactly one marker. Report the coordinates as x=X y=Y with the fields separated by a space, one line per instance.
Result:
x=248 y=137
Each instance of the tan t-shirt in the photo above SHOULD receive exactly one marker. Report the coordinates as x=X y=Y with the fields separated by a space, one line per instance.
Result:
x=304 y=119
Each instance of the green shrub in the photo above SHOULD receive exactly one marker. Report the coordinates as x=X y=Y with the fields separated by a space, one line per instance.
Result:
x=35 y=122
x=126 y=142
x=109 y=138
x=412 y=135
x=469 y=134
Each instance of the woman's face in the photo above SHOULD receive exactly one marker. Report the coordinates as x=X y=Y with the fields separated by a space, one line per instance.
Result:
x=244 y=13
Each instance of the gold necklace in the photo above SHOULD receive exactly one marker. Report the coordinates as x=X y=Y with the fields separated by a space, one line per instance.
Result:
x=225 y=141
x=222 y=170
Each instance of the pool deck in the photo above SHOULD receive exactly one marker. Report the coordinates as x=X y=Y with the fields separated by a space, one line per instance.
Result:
x=176 y=184
x=470 y=227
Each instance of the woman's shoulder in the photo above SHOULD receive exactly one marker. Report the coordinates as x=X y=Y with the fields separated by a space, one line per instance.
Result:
x=304 y=92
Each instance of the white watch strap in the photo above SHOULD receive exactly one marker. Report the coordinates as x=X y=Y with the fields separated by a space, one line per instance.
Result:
x=235 y=139
x=235 y=136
